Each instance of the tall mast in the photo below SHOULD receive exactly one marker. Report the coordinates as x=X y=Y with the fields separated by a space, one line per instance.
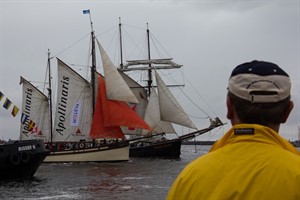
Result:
x=50 y=95
x=93 y=54
x=149 y=57
x=121 y=53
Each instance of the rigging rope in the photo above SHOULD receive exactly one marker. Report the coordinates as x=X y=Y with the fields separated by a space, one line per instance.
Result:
x=70 y=46
x=143 y=38
x=200 y=96
x=193 y=102
x=153 y=38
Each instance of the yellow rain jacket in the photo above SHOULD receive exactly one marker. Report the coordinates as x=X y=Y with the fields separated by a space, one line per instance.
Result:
x=250 y=162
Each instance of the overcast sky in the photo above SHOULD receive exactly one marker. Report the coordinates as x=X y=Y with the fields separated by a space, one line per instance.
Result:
x=209 y=38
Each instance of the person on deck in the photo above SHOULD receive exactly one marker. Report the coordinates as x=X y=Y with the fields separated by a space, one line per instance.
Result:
x=251 y=161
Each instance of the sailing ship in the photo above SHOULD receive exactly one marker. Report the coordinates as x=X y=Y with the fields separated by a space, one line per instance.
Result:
x=93 y=119
x=163 y=109
x=88 y=115
x=159 y=108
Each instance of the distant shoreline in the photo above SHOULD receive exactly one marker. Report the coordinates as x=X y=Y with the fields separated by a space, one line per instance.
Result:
x=296 y=143
x=198 y=142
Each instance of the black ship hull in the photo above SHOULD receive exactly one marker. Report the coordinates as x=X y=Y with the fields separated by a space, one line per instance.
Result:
x=161 y=149
x=21 y=159
x=296 y=143
x=164 y=148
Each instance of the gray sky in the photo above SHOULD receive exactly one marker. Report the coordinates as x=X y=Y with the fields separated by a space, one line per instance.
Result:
x=209 y=38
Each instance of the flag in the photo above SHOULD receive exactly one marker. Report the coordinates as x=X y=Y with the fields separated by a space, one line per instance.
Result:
x=35 y=130
x=86 y=11
x=31 y=125
x=6 y=103
x=1 y=96
x=40 y=133
x=78 y=132
x=15 y=111
x=24 y=118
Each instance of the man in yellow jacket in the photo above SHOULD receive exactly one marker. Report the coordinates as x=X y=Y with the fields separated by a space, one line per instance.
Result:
x=251 y=161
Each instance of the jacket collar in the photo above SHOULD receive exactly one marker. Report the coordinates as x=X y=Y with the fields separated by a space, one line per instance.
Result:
x=253 y=133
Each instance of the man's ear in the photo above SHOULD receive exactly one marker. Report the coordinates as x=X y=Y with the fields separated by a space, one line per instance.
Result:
x=287 y=112
x=230 y=112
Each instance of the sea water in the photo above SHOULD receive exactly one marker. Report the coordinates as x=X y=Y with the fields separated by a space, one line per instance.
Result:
x=139 y=178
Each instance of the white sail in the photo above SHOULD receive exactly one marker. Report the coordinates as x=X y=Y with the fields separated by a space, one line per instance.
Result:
x=170 y=109
x=152 y=116
x=35 y=122
x=164 y=127
x=116 y=87
x=73 y=116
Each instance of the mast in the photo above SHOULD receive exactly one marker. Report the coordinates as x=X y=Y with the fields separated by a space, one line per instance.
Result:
x=93 y=54
x=93 y=69
x=121 y=53
x=149 y=70
x=50 y=96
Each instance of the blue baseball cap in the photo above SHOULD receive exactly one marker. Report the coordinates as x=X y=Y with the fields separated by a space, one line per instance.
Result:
x=260 y=82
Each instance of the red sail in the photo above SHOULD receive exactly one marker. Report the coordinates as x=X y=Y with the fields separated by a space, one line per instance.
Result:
x=110 y=115
x=98 y=130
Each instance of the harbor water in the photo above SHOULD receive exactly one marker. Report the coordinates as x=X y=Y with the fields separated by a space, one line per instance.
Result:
x=139 y=178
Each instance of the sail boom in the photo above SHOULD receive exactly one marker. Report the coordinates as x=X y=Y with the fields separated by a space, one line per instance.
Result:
x=132 y=87
x=147 y=68
x=151 y=60
x=166 y=63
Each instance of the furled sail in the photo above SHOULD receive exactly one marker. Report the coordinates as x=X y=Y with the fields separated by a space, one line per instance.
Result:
x=35 y=121
x=73 y=114
x=170 y=109
x=109 y=115
x=116 y=87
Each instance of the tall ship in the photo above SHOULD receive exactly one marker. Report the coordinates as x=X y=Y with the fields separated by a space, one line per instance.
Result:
x=109 y=117
x=158 y=107
x=88 y=117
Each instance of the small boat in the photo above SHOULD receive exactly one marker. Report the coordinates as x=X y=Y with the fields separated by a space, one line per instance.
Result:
x=21 y=159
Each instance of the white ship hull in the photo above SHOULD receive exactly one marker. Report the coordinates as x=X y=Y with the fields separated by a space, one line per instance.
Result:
x=99 y=154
